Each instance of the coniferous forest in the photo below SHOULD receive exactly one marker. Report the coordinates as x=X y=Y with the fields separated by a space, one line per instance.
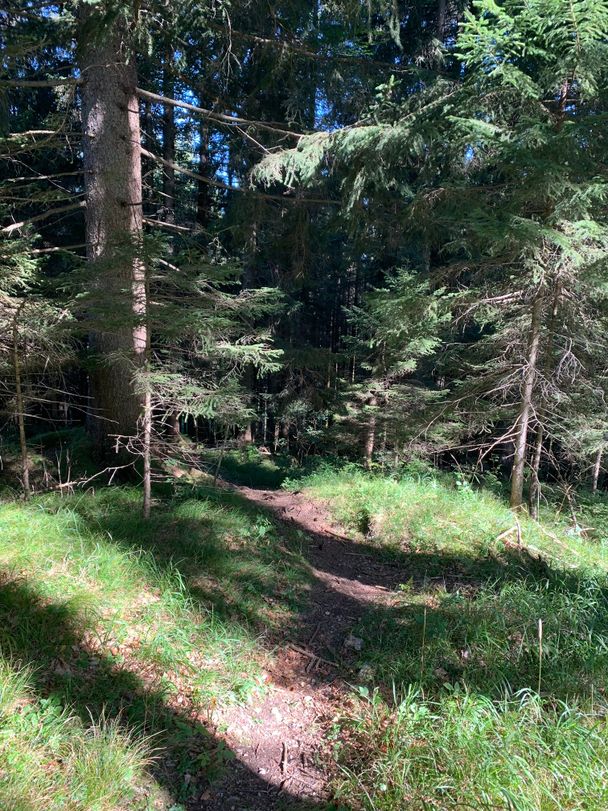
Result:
x=303 y=405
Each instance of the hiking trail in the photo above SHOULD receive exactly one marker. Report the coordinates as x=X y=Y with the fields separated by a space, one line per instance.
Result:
x=279 y=740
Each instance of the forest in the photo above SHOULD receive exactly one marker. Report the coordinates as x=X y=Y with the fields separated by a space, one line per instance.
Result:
x=303 y=405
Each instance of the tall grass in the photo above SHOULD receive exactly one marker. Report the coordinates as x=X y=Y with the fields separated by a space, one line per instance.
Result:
x=462 y=750
x=51 y=761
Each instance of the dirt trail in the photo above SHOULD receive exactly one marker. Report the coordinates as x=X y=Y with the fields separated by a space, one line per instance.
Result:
x=281 y=760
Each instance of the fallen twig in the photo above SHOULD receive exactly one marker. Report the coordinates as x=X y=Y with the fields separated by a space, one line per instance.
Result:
x=310 y=655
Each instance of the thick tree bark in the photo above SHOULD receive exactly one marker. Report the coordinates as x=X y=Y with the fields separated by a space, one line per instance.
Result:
x=114 y=222
x=597 y=466
x=521 y=439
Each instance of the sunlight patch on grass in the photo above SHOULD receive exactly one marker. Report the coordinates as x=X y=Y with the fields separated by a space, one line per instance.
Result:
x=131 y=628
x=437 y=513
x=491 y=718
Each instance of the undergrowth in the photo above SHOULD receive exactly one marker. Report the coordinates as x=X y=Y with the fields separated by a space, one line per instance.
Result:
x=462 y=750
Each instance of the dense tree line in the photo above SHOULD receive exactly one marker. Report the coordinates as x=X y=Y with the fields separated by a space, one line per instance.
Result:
x=368 y=229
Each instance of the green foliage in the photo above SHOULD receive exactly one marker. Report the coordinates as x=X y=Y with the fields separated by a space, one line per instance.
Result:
x=52 y=759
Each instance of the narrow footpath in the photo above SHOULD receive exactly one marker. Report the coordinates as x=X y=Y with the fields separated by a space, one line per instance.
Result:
x=282 y=757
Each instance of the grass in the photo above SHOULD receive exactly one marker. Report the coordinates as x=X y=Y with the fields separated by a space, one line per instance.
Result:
x=53 y=761
x=440 y=514
x=462 y=750
x=458 y=705
x=120 y=637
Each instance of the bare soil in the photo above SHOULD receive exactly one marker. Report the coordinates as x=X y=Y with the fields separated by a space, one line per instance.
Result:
x=282 y=758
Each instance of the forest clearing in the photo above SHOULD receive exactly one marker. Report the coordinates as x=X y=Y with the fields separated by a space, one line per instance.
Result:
x=303 y=397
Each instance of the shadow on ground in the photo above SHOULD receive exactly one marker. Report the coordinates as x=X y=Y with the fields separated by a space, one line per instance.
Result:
x=49 y=639
x=473 y=617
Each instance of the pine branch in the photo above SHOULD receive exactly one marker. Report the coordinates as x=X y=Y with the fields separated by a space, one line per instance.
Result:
x=218 y=184
x=60 y=210
x=39 y=82
x=219 y=118
x=36 y=178
x=300 y=49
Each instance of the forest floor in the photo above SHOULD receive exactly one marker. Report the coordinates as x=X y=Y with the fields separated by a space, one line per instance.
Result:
x=349 y=642
x=283 y=737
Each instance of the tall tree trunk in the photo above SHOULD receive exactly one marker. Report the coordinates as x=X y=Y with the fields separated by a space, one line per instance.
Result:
x=521 y=440
x=441 y=19
x=203 y=196
x=597 y=466
x=168 y=208
x=147 y=451
x=20 y=408
x=114 y=224
x=535 y=486
x=147 y=414
x=168 y=141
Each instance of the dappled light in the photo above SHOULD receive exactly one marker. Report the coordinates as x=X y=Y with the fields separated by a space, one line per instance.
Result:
x=303 y=386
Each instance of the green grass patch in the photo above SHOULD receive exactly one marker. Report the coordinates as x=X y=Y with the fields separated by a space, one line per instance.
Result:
x=492 y=716
x=52 y=761
x=440 y=514
x=125 y=635
x=249 y=467
x=462 y=750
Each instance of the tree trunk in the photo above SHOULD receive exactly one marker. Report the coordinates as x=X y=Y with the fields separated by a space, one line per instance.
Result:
x=20 y=410
x=441 y=19
x=168 y=141
x=597 y=466
x=114 y=227
x=534 y=495
x=174 y=428
x=521 y=439
x=370 y=438
x=535 y=487
x=147 y=451
x=203 y=196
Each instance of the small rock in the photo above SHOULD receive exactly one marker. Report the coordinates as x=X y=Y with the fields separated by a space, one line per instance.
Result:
x=276 y=714
x=354 y=642
x=366 y=673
